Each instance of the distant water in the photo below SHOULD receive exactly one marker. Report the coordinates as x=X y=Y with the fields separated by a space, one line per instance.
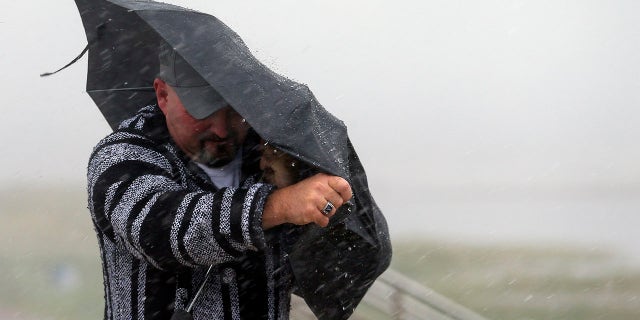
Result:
x=603 y=222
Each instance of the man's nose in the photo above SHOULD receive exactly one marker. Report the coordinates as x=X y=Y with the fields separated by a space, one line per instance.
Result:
x=218 y=123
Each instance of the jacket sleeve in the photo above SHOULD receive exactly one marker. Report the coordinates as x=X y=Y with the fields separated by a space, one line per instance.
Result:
x=139 y=198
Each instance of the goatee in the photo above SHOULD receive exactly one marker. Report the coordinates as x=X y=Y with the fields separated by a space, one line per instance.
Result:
x=223 y=154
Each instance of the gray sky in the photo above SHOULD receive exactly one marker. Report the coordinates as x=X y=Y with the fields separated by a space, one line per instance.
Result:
x=436 y=94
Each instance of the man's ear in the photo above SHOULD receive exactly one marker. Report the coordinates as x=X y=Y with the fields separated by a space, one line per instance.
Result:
x=162 y=92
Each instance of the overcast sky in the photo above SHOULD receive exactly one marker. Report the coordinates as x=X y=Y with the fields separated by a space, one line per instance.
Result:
x=444 y=92
x=434 y=93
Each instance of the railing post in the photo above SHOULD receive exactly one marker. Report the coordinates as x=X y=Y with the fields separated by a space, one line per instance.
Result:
x=396 y=305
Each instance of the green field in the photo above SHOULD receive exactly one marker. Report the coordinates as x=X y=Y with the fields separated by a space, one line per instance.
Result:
x=50 y=269
x=511 y=282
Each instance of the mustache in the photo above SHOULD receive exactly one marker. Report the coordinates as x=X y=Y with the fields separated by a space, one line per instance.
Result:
x=210 y=136
x=213 y=137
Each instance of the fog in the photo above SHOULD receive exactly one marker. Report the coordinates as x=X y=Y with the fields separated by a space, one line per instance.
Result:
x=481 y=120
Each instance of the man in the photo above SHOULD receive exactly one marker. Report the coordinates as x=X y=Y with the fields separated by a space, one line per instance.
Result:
x=170 y=195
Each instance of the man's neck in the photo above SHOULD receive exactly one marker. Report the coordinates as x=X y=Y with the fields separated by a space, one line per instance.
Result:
x=228 y=175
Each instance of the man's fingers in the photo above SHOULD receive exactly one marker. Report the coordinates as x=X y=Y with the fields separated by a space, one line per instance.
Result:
x=334 y=190
x=322 y=220
x=305 y=201
x=341 y=186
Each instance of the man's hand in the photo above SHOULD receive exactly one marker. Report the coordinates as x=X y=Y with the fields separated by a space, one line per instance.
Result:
x=302 y=203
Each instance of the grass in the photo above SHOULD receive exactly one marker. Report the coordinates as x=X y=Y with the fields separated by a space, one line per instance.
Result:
x=51 y=269
x=49 y=255
x=513 y=282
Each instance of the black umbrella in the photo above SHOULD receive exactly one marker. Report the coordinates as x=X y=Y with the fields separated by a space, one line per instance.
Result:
x=335 y=266
x=124 y=42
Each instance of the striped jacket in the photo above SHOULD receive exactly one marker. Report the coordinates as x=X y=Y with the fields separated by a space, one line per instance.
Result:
x=160 y=223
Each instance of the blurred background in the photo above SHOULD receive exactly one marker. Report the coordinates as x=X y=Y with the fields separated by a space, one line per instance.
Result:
x=500 y=139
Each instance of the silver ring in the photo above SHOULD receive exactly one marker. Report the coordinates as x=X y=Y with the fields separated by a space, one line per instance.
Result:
x=328 y=208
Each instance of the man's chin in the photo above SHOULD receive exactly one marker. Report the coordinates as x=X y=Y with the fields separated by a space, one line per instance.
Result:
x=216 y=161
x=217 y=158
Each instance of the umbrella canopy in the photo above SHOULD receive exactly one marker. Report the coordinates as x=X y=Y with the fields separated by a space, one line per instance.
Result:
x=124 y=42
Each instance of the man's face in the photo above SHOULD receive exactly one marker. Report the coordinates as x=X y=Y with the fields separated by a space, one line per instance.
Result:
x=213 y=141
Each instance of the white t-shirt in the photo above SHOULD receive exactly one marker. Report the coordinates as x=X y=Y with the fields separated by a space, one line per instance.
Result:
x=227 y=175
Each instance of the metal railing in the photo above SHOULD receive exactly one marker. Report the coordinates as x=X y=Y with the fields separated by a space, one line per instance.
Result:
x=395 y=296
